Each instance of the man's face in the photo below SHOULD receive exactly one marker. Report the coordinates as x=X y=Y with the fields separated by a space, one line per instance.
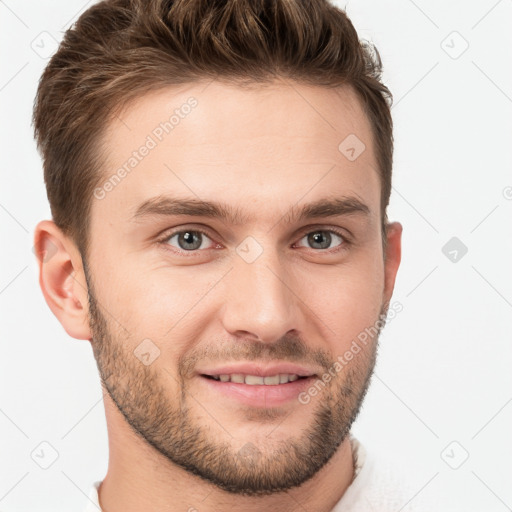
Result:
x=177 y=300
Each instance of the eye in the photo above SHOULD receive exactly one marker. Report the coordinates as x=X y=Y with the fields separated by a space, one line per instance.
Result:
x=192 y=241
x=188 y=240
x=322 y=239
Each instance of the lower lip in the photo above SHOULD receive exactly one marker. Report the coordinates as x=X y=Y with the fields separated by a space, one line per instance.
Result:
x=260 y=395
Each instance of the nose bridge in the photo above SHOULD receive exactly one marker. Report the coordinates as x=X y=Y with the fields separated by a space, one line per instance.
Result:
x=259 y=300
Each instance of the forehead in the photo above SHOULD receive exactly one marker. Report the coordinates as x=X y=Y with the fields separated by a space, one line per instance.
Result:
x=254 y=146
x=216 y=111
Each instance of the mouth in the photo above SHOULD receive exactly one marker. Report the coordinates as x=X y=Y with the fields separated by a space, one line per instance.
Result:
x=257 y=380
x=258 y=387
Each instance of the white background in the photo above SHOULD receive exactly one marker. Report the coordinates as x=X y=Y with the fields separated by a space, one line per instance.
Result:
x=444 y=369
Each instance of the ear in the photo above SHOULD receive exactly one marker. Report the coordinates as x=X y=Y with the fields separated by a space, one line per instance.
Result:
x=392 y=259
x=62 y=279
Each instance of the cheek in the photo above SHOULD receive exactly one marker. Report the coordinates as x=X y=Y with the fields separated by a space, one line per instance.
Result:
x=347 y=300
x=159 y=303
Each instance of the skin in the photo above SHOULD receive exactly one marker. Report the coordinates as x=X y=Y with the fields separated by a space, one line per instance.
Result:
x=174 y=443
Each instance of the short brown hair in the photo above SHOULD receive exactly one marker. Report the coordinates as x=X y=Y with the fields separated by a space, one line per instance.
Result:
x=120 y=49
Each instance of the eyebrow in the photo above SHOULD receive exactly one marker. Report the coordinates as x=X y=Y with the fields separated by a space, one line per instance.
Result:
x=172 y=206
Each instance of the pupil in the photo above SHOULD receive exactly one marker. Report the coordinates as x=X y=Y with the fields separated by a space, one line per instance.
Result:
x=316 y=238
x=188 y=237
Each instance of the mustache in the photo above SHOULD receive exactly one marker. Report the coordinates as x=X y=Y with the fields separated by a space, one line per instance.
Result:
x=287 y=348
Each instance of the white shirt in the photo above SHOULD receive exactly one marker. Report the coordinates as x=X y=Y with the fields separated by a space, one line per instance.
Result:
x=376 y=487
x=372 y=489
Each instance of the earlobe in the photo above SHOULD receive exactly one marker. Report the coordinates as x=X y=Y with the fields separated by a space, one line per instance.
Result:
x=392 y=258
x=62 y=279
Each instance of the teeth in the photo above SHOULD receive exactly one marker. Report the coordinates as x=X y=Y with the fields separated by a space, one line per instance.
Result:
x=273 y=380
x=252 y=380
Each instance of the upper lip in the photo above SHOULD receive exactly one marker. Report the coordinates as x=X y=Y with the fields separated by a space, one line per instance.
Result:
x=262 y=370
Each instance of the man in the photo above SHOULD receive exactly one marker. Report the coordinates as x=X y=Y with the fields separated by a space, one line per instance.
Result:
x=218 y=174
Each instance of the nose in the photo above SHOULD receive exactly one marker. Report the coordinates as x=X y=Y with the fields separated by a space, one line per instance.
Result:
x=261 y=301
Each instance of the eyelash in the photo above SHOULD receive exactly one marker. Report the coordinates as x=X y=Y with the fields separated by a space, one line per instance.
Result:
x=168 y=235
